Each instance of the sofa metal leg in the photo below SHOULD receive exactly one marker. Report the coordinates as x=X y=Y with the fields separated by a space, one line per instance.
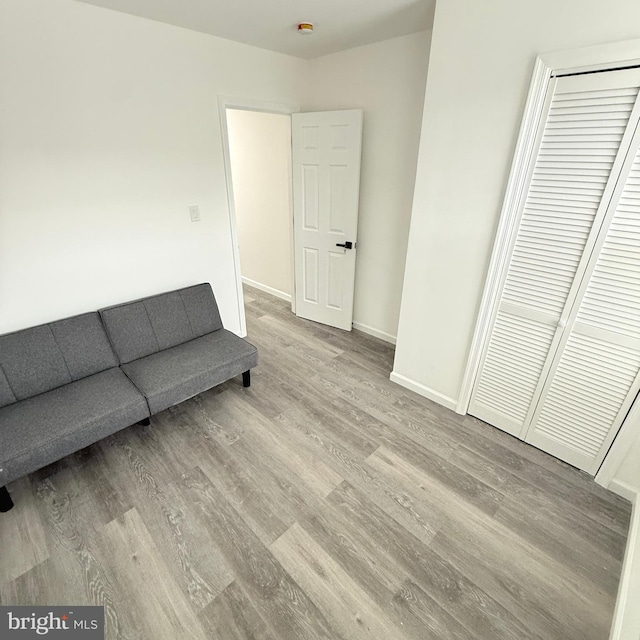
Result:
x=6 y=502
x=246 y=378
x=146 y=422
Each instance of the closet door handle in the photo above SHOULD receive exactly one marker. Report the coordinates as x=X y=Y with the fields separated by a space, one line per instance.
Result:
x=562 y=324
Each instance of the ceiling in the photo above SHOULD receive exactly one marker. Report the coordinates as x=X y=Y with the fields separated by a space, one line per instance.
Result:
x=271 y=24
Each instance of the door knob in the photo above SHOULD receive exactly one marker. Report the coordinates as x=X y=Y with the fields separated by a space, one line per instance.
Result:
x=346 y=245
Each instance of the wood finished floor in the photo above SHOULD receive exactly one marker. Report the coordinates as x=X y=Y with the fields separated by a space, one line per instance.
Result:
x=323 y=502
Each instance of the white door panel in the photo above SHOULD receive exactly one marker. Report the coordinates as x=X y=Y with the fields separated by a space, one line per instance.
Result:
x=326 y=183
x=581 y=148
x=595 y=375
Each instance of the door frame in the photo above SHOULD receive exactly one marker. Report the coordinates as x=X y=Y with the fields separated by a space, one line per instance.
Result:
x=546 y=66
x=261 y=106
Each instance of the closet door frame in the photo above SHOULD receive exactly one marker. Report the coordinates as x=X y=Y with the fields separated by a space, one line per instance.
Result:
x=546 y=68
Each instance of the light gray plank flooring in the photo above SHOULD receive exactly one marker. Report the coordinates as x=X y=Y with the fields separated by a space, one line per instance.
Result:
x=323 y=502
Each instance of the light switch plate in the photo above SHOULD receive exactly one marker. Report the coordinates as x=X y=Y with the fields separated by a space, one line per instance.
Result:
x=194 y=212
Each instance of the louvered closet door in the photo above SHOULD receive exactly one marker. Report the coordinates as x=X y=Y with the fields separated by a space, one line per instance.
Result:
x=596 y=374
x=582 y=145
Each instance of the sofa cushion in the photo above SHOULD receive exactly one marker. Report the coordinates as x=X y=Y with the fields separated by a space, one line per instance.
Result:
x=32 y=362
x=202 y=309
x=41 y=358
x=45 y=428
x=6 y=395
x=142 y=327
x=84 y=345
x=169 y=320
x=130 y=331
x=173 y=375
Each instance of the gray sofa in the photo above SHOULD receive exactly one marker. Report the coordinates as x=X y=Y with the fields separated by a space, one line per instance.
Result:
x=61 y=389
x=67 y=384
x=173 y=346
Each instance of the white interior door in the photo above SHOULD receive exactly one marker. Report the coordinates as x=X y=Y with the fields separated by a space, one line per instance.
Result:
x=326 y=184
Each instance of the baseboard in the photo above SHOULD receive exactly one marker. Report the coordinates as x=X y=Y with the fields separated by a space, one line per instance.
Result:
x=376 y=333
x=267 y=289
x=420 y=389
x=625 y=490
x=626 y=617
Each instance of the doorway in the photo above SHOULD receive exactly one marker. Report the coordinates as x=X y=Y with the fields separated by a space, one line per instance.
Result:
x=257 y=153
x=316 y=269
x=260 y=155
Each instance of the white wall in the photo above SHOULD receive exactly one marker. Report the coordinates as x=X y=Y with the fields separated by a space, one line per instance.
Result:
x=629 y=471
x=480 y=65
x=109 y=130
x=387 y=81
x=260 y=152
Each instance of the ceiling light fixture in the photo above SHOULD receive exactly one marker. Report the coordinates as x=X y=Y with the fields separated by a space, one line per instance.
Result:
x=305 y=27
